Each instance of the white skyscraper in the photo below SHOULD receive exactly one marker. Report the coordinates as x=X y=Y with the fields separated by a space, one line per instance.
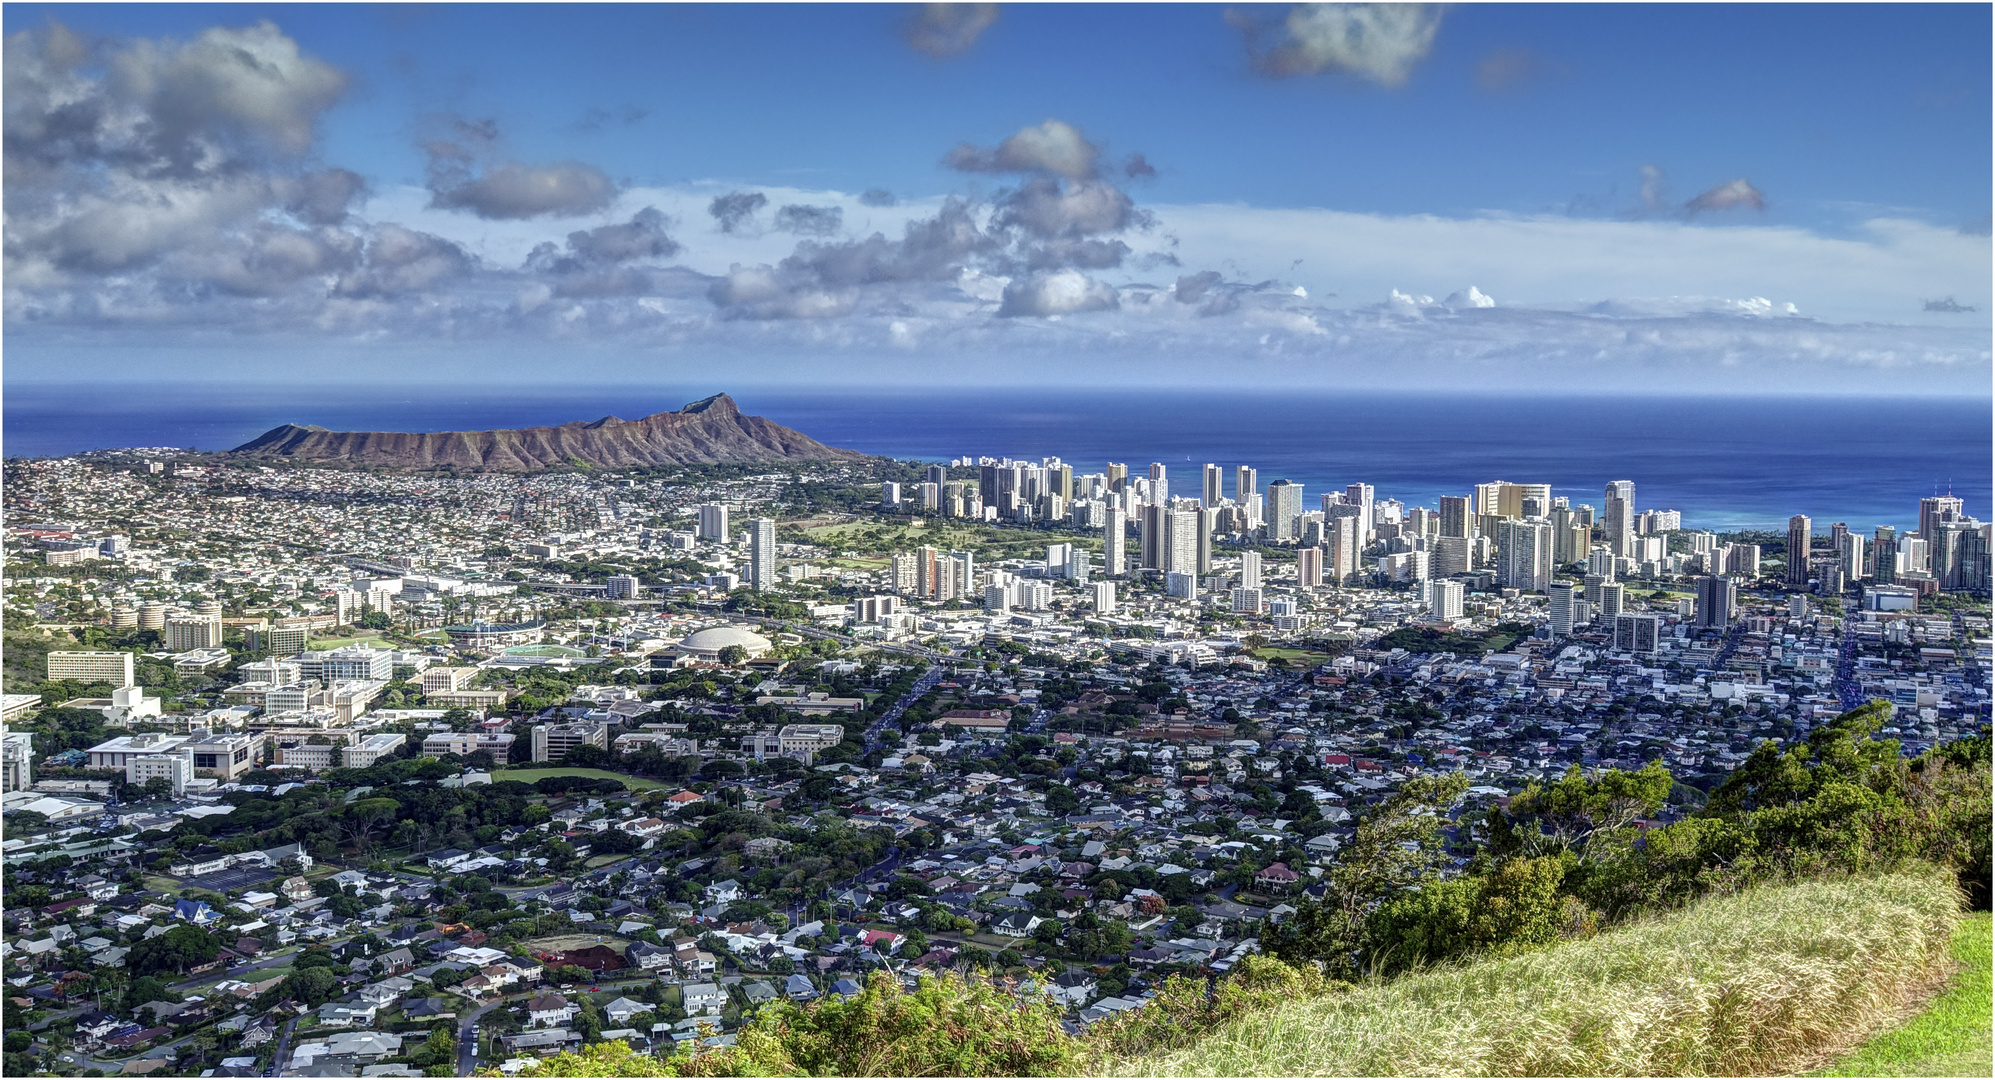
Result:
x=1114 y=533
x=1444 y=598
x=713 y=522
x=1250 y=570
x=1361 y=496
x=1245 y=484
x=1214 y=476
x=761 y=553
x=1562 y=605
x=1104 y=597
x=1619 y=517
x=1180 y=550
x=1524 y=555
x=1284 y=505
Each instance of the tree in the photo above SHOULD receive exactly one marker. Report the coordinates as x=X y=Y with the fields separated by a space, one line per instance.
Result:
x=1061 y=800
x=312 y=986
x=176 y=950
x=732 y=655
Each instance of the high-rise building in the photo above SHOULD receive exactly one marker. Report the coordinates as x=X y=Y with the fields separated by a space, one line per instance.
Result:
x=713 y=522
x=115 y=668
x=1849 y=556
x=1104 y=597
x=1455 y=516
x=1444 y=598
x=1488 y=498
x=1114 y=534
x=1936 y=511
x=890 y=495
x=1619 y=516
x=937 y=475
x=1118 y=477
x=1284 y=505
x=1600 y=563
x=761 y=553
x=1637 y=633
x=1798 y=540
x=1308 y=566
x=1451 y=555
x=1245 y=484
x=1250 y=569
x=620 y=587
x=1341 y=548
x=1208 y=521
x=184 y=632
x=1214 y=477
x=1524 y=555
x=1361 y=496
x=1717 y=596
x=1608 y=605
x=1562 y=604
x=1181 y=586
x=1180 y=552
x=1960 y=555
x=1247 y=601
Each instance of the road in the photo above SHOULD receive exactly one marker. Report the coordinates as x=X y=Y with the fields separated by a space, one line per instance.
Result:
x=467 y=1040
x=283 y=1055
x=928 y=681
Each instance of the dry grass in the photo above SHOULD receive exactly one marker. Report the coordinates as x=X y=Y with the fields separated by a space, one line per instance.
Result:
x=1760 y=983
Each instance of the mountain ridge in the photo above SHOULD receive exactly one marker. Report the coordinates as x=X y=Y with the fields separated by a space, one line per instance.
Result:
x=710 y=431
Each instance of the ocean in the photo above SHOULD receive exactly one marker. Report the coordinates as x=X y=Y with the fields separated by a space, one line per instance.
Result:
x=1725 y=463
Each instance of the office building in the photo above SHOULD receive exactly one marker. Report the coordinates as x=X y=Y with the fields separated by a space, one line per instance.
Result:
x=1717 y=597
x=890 y=495
x=1118 y=477
x=1637 y=633
x=466 y=743
x=175 y=766
x=1250 y=569
x=620 y=587
x=350 y=662
x=1563 y=602
x=115 y=668
x=371 y=749
x=1308 y=566
x=1619 y=515
x=1284 y=506
x=1104 y=597
x=761 y=553
x=937 y=475
x=1798 y=541
x=1246 y=484
x=1451 y=555
x=1959 y=551
x=445 y=680
x=1444 y=598
x=1214 y=477
x=1607 y=602
x=931 y=496
x=1524 y=555
x=713 y=522
x=551 y=742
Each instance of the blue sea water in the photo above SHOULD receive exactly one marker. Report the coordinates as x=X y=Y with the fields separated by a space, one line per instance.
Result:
x=1726 y=463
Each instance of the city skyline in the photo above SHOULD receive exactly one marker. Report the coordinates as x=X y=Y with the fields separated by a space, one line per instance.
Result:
x=1490 y=197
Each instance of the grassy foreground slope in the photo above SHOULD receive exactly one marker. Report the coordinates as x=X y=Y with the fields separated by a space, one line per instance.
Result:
x=1952 y=1036
x=1761 y=982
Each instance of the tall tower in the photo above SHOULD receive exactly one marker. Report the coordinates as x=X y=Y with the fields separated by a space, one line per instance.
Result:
x=1308 y=566
x=761 y=553
x=1246 y=482
x=1284 y=506
x=1884 y=555
x=1118 y=477
x=1716 y=597
x=1360 y=496
x=1455 y=516
x=1214 y=475
x=1619 y=518
x=1562 y=609
x=1524 y=555
x=1935 y=512
x=1799 y=530
x=1114 y=532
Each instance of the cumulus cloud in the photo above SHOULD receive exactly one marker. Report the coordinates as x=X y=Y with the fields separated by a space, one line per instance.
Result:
x=1061 y=292
x=401 y=260
x=822 y=278
x=512 y=191
x=1054 y=147
x=944 y=30
x=766 y=292
x=1732 y=195
x=1380 y=42
x=810 y=220
x=323 y=197
x=736 y=208
x=592 y=263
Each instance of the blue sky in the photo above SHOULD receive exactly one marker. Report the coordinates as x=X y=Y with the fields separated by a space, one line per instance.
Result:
x=1743 y=198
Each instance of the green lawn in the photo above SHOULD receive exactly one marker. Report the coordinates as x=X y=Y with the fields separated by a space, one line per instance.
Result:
x=1952 y=1037
x=528 y=776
